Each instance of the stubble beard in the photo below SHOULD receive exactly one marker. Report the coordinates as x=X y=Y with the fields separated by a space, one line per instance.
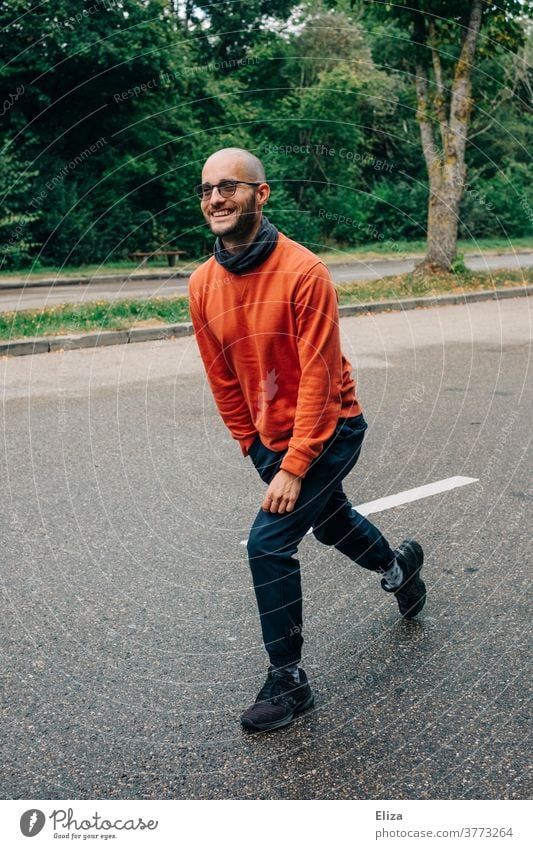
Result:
x=243 y=227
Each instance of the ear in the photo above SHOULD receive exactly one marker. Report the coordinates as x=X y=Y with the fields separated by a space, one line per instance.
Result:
x=263 y=193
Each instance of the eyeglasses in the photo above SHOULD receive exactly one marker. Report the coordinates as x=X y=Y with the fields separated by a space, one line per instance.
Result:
x=226 y=188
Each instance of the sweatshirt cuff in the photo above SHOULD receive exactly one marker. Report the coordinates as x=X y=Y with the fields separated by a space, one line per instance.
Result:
x=247 y=443
x=296 y=463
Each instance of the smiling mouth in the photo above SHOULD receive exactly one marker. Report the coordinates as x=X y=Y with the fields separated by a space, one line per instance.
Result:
x=222 y=213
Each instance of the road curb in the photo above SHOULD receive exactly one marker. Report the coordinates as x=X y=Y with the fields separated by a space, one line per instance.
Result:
x=401 y=304
x=54 y=344
x=80 y=281
x=49 y=344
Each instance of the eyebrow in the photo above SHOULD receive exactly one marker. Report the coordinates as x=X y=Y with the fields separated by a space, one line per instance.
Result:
x=236 y=179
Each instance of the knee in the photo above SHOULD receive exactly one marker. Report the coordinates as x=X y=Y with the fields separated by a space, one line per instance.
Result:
x=259 y=545
x=252 y=547
x=263 y=544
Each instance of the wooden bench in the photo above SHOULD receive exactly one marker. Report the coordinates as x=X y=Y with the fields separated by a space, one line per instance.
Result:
x=142 y=257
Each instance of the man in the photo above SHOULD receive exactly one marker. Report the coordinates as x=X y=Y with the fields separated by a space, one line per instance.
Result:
x=265 y=315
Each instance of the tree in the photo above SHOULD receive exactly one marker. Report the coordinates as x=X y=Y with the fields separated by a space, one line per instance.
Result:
x=320 y=137
x=109 y=109
x=441 y=53
x=446 y=167
x=99 y=116
x=232 y=27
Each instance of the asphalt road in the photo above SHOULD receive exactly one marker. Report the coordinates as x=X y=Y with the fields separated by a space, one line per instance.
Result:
x=39 y=296
x=129 y=631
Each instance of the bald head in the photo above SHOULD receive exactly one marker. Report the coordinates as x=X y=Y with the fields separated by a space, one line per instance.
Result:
x=235 y=215
x=238 y=161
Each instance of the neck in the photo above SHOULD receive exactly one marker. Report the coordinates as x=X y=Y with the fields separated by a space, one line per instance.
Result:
x=237 y=246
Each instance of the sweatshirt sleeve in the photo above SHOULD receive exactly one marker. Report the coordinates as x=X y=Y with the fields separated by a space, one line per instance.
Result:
x=224 y=385
x=319 y=351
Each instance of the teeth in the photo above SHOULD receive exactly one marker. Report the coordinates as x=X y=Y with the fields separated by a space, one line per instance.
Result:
x=221 y=214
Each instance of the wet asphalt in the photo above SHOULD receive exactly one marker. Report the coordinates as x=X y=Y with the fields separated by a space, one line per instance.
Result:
x=129 y=633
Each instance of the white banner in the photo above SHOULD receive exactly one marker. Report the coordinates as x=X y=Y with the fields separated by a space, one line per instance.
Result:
x=268 y=824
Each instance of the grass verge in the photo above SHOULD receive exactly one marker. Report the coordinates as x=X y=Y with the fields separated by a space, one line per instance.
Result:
x=121 y=315
x=416 y=286
x=93 y=316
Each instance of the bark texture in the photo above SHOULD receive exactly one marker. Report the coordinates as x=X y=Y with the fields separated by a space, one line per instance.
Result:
x=446 y=163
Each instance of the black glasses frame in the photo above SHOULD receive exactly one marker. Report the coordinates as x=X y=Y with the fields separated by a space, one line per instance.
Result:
x=226 y=188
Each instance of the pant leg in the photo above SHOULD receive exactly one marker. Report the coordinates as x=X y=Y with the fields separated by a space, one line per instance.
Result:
x=352 y=534
x=273 y=541
x=274 y=538
x=272 y=544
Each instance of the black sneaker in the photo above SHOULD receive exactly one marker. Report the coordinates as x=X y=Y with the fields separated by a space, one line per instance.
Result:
x=279 y=701
x=411 y=594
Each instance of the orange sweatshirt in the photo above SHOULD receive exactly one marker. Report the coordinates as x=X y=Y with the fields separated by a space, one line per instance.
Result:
x=270 y=343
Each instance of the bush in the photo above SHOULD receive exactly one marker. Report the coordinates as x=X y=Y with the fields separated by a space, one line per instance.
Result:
x=501 y=206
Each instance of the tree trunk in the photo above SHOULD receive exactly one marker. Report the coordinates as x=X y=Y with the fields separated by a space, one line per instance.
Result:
x=441 y=246
x=446 y=168
x=446 y=187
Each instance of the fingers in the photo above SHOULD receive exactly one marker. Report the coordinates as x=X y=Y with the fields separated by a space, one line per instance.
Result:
x=267 y=501
x=290 y=505
x=273 y=504
x=282 y=494
x=278 y=504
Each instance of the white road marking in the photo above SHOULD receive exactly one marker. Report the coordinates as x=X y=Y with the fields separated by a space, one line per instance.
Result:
x=413 y=494
x=407 y=496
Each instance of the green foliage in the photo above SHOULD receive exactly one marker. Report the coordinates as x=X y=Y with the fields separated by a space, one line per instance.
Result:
x=235 y=26
x=503 y=203
x=458 y=265
x=17 y=210
x=109 y=113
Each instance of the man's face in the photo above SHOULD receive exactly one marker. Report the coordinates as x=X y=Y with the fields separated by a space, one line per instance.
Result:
x=234 y=217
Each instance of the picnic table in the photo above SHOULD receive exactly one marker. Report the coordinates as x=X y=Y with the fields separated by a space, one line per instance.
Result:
x=142 y=257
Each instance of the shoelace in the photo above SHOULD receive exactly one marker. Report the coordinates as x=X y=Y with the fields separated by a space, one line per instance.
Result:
x=276 y=685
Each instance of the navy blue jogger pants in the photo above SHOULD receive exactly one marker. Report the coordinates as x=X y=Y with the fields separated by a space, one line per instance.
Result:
x=275 y=537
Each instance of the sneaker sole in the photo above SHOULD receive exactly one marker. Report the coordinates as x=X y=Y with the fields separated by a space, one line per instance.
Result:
x=281 y=723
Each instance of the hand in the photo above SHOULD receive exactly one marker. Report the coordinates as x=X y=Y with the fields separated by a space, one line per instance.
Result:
x=282 y=493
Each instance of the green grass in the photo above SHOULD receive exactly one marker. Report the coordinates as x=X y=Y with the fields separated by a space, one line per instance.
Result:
x=121 y=315
x=416 y=286
x=93 y=315
x=335 y=253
